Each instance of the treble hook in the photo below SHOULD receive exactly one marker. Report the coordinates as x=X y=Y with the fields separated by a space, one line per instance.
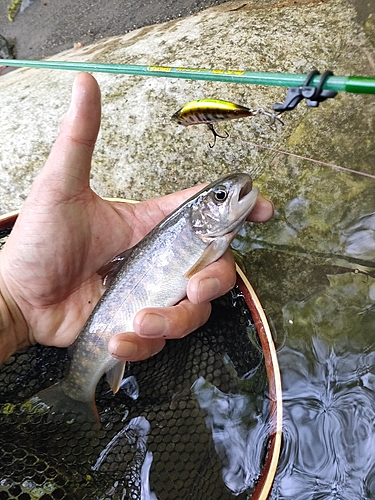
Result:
x=211 y=127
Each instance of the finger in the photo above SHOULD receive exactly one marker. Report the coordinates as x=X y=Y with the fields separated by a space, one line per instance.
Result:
x=130 y=347
x=262 y=211
x=213 y=281
x=67 y=170
x=171 y=322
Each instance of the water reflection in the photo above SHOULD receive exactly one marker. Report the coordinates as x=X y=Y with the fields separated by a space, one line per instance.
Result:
x=296 y=213
x=137 y=485
x=359 y=238
x=239 y=432
x=328 y=373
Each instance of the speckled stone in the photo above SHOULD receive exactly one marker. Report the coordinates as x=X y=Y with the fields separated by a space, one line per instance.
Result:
x=141 y=154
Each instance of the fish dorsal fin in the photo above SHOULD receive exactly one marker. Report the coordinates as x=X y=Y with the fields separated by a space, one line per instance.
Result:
x=109 y=271
x=213 y=251
x=115 y=375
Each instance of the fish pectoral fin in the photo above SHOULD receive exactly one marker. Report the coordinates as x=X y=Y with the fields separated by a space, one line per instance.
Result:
x=109 y=270
x=212 y=252
x=115 y=375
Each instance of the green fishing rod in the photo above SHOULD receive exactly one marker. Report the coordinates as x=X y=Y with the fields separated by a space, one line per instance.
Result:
x=355 y=84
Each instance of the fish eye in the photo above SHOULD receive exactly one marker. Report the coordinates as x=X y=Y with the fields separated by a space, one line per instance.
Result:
x=220 y=193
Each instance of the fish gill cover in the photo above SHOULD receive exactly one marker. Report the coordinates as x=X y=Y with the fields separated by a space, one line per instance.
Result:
x=190 y=422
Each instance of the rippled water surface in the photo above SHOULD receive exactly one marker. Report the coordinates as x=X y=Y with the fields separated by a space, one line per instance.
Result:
x=313 y=268
x=328 y=366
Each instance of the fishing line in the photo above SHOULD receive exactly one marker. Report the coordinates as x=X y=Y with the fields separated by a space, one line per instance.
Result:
x=355 y=84
x=332 y=165
x=165 y=121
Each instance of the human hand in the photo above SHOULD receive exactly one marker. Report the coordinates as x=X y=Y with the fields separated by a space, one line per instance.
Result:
x=65 y=233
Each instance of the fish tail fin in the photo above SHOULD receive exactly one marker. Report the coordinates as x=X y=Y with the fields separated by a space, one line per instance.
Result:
x=56 y=400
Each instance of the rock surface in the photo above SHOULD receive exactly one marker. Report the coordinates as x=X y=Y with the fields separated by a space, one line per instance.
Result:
x=141 y=154
x=320 y=210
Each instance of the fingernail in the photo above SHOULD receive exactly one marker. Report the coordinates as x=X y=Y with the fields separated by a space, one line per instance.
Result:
x=154 y=325
x=124 y=350
x=208 y=289
x=272 y=205
x=76 y=96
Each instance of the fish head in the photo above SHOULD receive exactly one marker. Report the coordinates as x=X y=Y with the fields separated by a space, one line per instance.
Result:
x=221 y=208
x=217 y=213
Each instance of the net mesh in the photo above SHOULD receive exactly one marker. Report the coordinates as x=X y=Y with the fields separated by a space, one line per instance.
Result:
x=162 y=436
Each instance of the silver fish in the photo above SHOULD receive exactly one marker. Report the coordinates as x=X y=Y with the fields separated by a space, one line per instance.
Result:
x=154 y=275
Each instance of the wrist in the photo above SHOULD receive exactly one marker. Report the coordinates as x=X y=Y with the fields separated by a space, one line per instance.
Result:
x=13 y=327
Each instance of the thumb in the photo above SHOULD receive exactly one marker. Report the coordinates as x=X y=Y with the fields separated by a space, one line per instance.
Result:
x=66 y=173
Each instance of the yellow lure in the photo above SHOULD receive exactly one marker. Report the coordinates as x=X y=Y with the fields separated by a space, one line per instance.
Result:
x=209 y=111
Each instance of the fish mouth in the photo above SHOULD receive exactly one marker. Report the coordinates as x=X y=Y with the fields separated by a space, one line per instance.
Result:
x=245 y=190
x=242 y=202
x=246 y=200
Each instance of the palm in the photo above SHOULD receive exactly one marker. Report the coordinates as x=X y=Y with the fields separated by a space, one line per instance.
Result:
x=65 y=233
x=53 y=255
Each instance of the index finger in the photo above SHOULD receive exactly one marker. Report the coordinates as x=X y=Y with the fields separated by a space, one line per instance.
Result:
x=262 y=211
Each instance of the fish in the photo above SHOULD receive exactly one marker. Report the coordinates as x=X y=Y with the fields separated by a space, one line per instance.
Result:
x=209 y=111
x=154 y=274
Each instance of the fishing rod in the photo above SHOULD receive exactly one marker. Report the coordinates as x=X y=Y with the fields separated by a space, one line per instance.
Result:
x=353 y=84
x=301 y=86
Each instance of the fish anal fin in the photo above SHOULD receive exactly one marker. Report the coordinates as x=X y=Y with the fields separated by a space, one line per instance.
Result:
x=111 y=268
x=213 y=251
x=115 y=375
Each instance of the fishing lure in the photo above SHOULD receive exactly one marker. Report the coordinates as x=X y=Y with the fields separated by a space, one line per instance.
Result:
x=209 y=111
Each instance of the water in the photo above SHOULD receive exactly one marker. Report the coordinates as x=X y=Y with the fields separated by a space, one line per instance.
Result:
x=313 y=267
x=328 y=366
